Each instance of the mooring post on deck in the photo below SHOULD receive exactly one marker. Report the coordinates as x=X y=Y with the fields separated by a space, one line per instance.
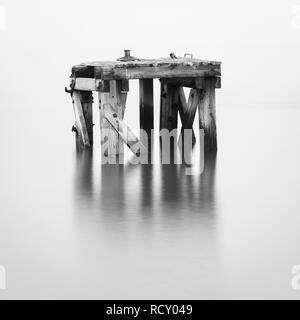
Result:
x=83 y=111
x=146 y=111
x=207 y=113
x=112 y=101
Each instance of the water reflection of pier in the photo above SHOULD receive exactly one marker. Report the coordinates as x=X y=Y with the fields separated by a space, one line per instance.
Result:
x=144 y=189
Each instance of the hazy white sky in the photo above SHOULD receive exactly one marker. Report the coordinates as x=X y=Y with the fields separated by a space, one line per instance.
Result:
x=258 y=42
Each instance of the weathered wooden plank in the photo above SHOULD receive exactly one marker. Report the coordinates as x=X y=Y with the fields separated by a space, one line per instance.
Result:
x=91 y=84
x=85 y=84
x=107 y=73
x=144 y=69
x=207 y=115
x=84 y=71
x=196 y=82
x=80 y=121
x=116 y=101
x=169 y=101
x=146 y=109
x=150 y=62
x=122 y=129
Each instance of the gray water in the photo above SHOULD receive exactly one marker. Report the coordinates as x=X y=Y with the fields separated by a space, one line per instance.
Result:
x=72 y=228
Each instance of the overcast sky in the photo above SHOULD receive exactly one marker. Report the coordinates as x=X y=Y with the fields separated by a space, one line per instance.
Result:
x=258 y=42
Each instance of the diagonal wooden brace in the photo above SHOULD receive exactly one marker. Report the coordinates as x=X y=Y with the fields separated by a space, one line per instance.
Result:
x=124 y=131
x=83 y=119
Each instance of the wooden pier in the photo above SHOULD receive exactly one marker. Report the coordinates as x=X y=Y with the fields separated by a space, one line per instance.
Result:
x=111 y=80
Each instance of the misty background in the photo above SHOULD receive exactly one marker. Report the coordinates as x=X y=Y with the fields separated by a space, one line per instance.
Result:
x=70 y=229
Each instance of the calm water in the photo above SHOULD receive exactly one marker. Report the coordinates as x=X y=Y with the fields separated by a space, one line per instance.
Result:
x=71 y=228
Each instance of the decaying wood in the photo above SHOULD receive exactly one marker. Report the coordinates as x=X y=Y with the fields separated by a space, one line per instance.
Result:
x=125 y=85
x=86 y=98
x=169 y=102
x=111 y=80
x=83 y=118
x=191 y=109
x=113 y=100
x=103 y=85
x=85 y=84
x=207 y=115
x=122 y=129
x=146 y=68
x=196 y=82
x=146 y=109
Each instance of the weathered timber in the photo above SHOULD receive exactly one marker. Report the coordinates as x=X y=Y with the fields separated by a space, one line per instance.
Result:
x=196 y=83
x=122 y=129
x=103 y=85
x=91 y=84
x=125 y=85
x=188 y=110
x=111 y=80
x=146 y=110
x=169 y=101
x=146 y=68
x=191 y=109
x=113 y=100
x=86 y=98
x=207 y=115
x=85 y=84
x=83 y=108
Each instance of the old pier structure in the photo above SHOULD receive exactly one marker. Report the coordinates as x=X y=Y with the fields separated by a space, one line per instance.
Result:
x=111 y=80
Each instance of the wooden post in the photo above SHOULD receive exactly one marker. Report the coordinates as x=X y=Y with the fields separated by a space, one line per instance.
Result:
x=191 y=109
x=83 y=111
x=146 y=110
x=87 y=107
x=169 y=101
x=115 y=99
x=182 y=108
x=207 y=114
x=187 y=111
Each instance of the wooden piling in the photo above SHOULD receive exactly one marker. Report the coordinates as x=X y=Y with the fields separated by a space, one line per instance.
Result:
x=187 y=111
x=191 y=109
x=207 y=114
x=114 y=100
x=83 y=111
x=146 y=110
x=169 y=101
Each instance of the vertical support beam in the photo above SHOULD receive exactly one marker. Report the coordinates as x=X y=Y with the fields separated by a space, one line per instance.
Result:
x=207 y=114
x=146 y=111
x=86 y=98
x=182 y=108
x=187 y=111
x=169 y=101
x=191 y=109
x=83 y=111
x=114 y=100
